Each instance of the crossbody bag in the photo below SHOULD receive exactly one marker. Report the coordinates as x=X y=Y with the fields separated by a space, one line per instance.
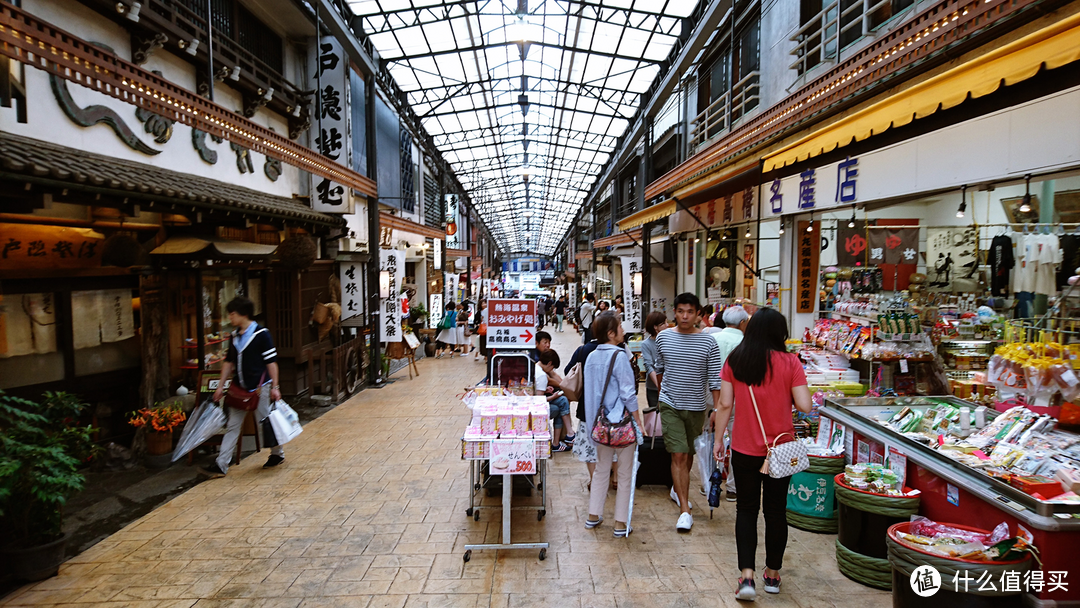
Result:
x=612 y=434
x=781 y=460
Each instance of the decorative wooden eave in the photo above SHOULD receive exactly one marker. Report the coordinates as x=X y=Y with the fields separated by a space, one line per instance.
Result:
x=29 y=39
x=913 y=47
x=404 y=225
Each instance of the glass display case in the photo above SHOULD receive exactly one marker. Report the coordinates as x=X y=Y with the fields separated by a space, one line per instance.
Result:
x=218 y=289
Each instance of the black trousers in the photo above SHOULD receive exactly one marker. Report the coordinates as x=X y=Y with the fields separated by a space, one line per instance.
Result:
x=759 y=492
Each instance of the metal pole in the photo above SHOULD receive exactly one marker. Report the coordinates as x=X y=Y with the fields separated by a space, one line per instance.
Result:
x=210 y=43
x=375 y=369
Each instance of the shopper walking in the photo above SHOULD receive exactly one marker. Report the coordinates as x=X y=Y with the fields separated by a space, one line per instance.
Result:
x=735 y=319
x=481 y=332
x=251 y=363
x=560 y=314
x=689 y=362
x=654 y=323
x=584 y=450
x=463 y=329
x=610 y=382
x=541 y=313
x=447 y=336
x=760 y=375
x=586 y=316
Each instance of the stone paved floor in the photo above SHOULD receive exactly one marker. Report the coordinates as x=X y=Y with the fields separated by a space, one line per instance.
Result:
x=369 y=511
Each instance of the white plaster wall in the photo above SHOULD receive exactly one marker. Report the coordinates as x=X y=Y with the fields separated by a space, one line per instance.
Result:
x=47 y=122
x=779 y=19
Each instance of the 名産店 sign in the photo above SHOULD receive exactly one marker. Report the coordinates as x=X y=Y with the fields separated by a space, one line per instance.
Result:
x=511 y=323
x=512 y=457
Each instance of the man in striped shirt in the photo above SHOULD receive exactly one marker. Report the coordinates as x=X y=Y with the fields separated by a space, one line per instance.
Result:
x=688 y=363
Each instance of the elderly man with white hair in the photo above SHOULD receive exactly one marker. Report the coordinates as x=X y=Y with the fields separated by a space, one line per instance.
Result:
x=735 y=320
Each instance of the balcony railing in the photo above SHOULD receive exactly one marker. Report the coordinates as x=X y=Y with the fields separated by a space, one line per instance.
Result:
x=731 y=106
x=823 y=35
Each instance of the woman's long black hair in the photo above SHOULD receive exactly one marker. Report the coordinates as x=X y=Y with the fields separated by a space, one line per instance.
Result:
x=751 y=361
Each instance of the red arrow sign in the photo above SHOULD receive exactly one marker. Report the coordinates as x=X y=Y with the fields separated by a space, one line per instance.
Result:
x=527 y=335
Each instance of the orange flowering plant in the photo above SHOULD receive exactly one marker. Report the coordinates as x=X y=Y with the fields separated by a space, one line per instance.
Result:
x=160 y=419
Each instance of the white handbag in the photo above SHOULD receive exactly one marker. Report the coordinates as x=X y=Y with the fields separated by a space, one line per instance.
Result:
x=285 y=422
x=782 y=460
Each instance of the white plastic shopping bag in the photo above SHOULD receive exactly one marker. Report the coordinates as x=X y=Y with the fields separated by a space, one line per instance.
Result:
x=285 y=422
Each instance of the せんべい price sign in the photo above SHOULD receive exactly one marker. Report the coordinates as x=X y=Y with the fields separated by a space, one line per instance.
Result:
x=511 y=324
x=513 y=457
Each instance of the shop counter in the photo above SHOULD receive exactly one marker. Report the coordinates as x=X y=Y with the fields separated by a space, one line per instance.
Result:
x=954 y=492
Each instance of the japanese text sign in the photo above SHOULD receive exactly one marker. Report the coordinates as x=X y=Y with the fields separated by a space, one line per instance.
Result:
x=25 y=246
x=511 y=323
x=513 y=457
x=352 y=301
x=807 y=254
x=330 y=81
x=632 y=321
x=392 y=261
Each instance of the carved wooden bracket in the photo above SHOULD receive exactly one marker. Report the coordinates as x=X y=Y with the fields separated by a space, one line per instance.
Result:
x=143 y=48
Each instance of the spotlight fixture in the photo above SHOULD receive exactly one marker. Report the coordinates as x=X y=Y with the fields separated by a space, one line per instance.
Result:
x=851 y=222
x=747 y=235
x=781 y=226
x=234 y=75
x=191 y=47
x=963 y=202
x=131 y=12
x=1025 y=205
x=810 y=226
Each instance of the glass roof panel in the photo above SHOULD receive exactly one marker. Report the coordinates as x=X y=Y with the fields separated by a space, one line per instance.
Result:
x=525 y=98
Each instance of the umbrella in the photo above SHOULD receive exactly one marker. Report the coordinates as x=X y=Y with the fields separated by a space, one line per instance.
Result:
x=206 y=421
x=633 y=488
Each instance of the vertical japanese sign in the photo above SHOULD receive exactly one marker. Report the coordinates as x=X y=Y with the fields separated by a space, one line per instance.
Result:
x=512 y=323
x=330 y=80
x=454 y=236
x=392 y=261
x=807 y=253
x=352 y=302
x=572 y=290
x=435 y=313
x=437 y=251
x=631 y=268
x=451 y=283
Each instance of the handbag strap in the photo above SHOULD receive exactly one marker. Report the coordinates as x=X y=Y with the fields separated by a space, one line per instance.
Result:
x=764 y=437
x=603 y=394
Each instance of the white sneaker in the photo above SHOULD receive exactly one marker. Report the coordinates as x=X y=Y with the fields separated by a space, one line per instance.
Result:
x=675 y=499
x=686 y=521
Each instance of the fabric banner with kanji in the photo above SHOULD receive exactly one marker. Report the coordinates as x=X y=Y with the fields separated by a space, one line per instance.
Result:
x=893 y=245
x=851 y=244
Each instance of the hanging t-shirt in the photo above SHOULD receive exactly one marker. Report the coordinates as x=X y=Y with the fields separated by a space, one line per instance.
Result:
x=1048 y=257
x=1001 y=264
x=1070 y=258
x=1025 y=252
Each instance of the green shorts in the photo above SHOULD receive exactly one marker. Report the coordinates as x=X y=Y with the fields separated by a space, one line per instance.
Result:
x=680 y=428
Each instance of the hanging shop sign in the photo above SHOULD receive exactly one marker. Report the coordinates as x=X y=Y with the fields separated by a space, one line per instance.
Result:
x=352 y=302
x=27 y=324
x=808 y=250
x=851 y=244
x=30 y=247
x=571 y=289
x=392 y=262
x=330 y=79
x=513 y=457
x=512 y=323
x=450 y=282
x=731 y=208
x=631 y=280
x=893 y=245
x=435 y=301
x=455 y=233
x=437 y=249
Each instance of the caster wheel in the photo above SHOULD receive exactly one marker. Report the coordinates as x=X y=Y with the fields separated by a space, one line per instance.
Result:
x=469 y=512
x=476 y=516
x=468 y=556
x=540 y=516
x=543 y=554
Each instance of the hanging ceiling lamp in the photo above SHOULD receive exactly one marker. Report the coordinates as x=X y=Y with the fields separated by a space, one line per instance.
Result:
x=1025 y=205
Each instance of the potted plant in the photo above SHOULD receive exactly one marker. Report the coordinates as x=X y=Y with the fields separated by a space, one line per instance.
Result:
x=42 y=449
x=158 y=424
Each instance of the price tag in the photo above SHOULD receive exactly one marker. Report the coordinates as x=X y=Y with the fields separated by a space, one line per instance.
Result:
x=513 y=457
x=903 y=366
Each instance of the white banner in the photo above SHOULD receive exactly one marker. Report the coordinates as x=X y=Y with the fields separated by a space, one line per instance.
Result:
x=572 y=288
x=437 y=250
x=393 y=261
x=352 y=301
x=455 y=237
x=631 y=271
x=451 y=283
x=330 y=125
x=435 y=311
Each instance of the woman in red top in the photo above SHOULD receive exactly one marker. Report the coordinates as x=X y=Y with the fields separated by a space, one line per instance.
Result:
x=761 y=361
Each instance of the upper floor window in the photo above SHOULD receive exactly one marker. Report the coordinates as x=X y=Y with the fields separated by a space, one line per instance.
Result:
x=236 y=23
x=729 y=87
x=827 y=26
